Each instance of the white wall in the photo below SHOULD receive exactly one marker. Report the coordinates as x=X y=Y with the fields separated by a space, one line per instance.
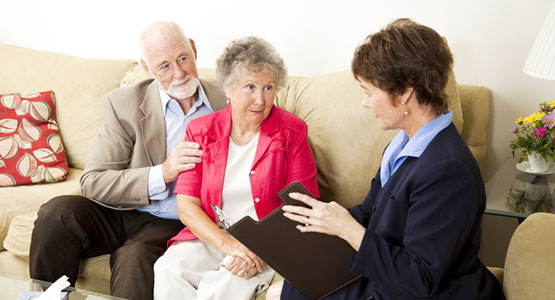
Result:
x=489 y=38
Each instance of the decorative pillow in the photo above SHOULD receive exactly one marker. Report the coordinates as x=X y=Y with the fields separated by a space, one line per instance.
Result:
x=31 y=149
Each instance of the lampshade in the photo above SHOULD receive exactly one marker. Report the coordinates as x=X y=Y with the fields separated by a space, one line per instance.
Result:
x=541 y=60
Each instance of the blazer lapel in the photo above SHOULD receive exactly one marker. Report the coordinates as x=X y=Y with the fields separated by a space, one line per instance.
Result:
x=218 y=146
x=269 y=126
x=218 y=153
x=153 y=128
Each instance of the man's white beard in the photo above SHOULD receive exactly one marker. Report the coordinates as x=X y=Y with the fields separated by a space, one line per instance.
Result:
x=185 y=91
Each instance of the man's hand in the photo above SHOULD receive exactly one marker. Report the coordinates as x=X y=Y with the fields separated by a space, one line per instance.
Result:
x=183 y=157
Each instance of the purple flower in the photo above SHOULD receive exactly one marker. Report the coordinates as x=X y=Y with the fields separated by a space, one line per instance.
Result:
x=515 y=129
x=549 y=120
x=540 y=132
x=546 y=108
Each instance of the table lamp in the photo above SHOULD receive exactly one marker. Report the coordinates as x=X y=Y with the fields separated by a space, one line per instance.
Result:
x=541 y=60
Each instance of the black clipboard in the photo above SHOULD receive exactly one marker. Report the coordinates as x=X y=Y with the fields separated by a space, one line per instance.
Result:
x=314 y=263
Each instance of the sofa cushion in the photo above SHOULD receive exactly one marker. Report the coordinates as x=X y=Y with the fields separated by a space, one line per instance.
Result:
x=27 y=198
x=18 y=242
x=79 y=84
x=31 y=150
x=345 y=138
x=95 y=267
x=134 y=75
x=18 y=239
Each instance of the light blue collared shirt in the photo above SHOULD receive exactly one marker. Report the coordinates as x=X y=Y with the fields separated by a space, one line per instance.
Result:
x=161 y=195
x=401 y=147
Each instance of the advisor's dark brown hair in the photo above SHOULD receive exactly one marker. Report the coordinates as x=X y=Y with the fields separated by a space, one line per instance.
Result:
x=406 y=54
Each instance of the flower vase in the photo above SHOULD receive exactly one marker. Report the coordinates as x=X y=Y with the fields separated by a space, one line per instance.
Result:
x=538 y=164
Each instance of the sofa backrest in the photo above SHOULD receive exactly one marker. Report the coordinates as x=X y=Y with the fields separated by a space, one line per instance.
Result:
x=475 y=102
x=345 y=138
x=79 y=84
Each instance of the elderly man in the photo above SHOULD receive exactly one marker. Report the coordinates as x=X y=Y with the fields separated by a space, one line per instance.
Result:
x=128 y=207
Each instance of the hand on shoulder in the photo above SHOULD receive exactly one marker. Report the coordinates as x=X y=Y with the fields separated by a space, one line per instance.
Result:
x=182 y=157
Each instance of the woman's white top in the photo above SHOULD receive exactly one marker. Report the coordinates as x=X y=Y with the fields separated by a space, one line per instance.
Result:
x=237 y=200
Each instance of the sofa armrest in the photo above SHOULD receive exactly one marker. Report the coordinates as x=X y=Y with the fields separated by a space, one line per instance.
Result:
x=498 y=273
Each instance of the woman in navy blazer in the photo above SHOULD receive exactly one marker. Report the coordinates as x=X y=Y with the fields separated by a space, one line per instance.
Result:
x=417 y=233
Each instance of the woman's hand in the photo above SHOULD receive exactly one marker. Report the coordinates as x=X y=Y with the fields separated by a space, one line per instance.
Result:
x=245 y=263
x=239 y=267
x=329 y=218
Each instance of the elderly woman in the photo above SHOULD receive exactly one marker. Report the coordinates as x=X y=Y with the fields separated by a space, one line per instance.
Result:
x=417 y=233
x=251 y=150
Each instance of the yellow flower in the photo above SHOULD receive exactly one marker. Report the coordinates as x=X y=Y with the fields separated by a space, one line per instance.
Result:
x=552 y=104
x=519 y=120
x=531 y=119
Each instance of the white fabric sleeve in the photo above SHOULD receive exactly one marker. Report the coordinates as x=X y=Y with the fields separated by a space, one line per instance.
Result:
x=157 y=188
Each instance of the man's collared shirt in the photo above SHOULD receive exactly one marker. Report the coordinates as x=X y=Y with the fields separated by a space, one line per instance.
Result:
x=401 y=147
x=163 y=200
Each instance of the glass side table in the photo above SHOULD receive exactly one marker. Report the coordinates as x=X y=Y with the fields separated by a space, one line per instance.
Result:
x=517 y=194
x=11 y=287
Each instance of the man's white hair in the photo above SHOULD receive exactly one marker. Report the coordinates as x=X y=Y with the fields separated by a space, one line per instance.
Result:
x=159 y=26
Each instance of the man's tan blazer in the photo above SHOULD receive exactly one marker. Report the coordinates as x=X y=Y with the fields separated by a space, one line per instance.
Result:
x=132 y=139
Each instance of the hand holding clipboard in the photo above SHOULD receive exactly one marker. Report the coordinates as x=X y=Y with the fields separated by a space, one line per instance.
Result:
x=315 y=263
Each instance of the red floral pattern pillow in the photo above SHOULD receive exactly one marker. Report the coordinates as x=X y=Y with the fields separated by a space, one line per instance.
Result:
x=31 y=149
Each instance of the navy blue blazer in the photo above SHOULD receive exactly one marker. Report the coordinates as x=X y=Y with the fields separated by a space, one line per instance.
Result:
x=422 y=230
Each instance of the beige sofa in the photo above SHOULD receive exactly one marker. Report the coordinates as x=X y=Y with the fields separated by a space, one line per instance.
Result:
x=345 y=138
x=530 y=260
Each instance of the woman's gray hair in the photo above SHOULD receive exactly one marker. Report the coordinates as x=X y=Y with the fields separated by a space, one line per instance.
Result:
x=252 y=54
